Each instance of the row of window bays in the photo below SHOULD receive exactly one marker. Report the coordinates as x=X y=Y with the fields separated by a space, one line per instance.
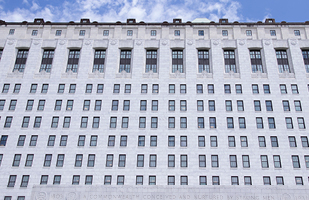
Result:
x=178 y=62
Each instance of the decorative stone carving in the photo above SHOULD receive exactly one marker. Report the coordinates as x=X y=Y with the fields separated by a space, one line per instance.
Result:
x=164 y=42
x=69 y=74
x=87 y=42
x=267 y=42
x=259 y=74
x=139 y=42
x=190 y=42
x=10 y=42
x=286 y=74
x=62 y=42
x=15 y=74
x=293 y=42
x=150 y=74
x=216 y=42
x=242 y=42
x=96 y=74
x=177 y=74
x=232 y=74
x=204 y=74
x=113 y=42
x=40 y=196
x=36 y=42
x=123 y=74
x=71 y=196
x=42 y=74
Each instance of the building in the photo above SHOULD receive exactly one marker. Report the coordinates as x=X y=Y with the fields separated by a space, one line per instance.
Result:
x=172 y=110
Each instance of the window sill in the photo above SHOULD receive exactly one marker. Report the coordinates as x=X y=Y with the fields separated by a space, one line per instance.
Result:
x=69 y=74
x=42 y=74
x=231 y=74
x=15 y=74
x=96 y=74
x=286 y=74
x=259 y=75
x=150 y=74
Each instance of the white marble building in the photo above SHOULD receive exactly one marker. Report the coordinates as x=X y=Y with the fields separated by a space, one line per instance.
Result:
x=172 y=110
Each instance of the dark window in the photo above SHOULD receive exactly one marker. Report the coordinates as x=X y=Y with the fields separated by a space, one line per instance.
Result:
x=140 y=160
x=240 y=105
x=116 y=88
x=44 y=180
x=66 y=122
x=283 y=62
x=273 y=32
x=129 y=33
x=51 y=140
x=81 y=140
x=24 y=181
x=111 y=141
x=212 y=122
x=243 y=141
x=99 y=59
x=295 y=160
x=154 y=106
x=60 y=160
x=231 y=140
x=34 y=32
x=199 y=88
x=82 y=32
x=37 y=122
x=262 y=142
x=123 y=141
x=247 y=180
x=125 y=122
x=238 y=89
x=41 y=104
x=152 y=180
x=2 y=103
x=277 y=161
x=113 y=122
x=304 y=141
x=12 y=180
x=201 y=141
x=225 y=33
x=269 y=105
x=78 y=160
x=47 y=160
x=202 y=161
x=16 y=160
x=203 y=180
x=13 y=104
x=257 y=105
x=214 y=161
x=183 y=161
x=271 y=123
x=245 y=161
x=151 y=61
x=256 y=61
x=227 y=88
x=141 y=141
x=294 y=89
x=12 y=31
x=228 y=105
x=72 y=88
x=203 y=61
x=183 y=88
x=73 y=61
x=177 y=32
x=306 y=59
x=17 y=88
x=177 y=61
x=33 y=88
x=96 y=122
x=21 y=60
x=152 y=160
x=122 y=160
x=75 y=180
x=248 y=32
x=242 y=122
x=107 y=179
x=47 y=60
x=100 y=88
x=292 y=141
x=200 y=32
x=154 y=122
x=33 y=140
x=57 y=180
x=44 y=88
x=84 y=122
x=289 y=123
x=255 y=89
x=98 y=104
x=155 y=88
x=105 y=32
x=274 y=141
x=259 y=122
x=229 y=60
x=144 y=88
x=200 y=105
x=6 y=88
x=153 y=32
x=171 y=88
x=88 y=88
x=61 y=88
x=266 y=89
x=55 y=121
x=215 y=180
x=297 y=105
x=264 y=161
x=171 y=141
x=63 y=140
x=230 y=122
x=58 y=32
x=127 y=88
x=125 y=61
x=8 y=122
x=21 y=140
x=200 y=122
x=88 y=180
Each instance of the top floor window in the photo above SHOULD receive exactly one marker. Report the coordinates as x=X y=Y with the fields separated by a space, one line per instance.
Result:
x=153 y=32
x=229 y=60
x=58 y=32
x=296 y=32
x=129 y=33
x=34 y=32
x=151 y=61
x=283 y=62
x=306 y=60
x=73 y=61
x=203 y=61
x=177 y=32
x=248 y=32
x=256 y=61
x=47 y=60
x=12 y=31
x=125 y=61
x=273 y=32
x=82 y=32
x=200 y=32
x=21 y=60
x=99 y=59
x=105 y=32
x=177 y=61
x=225 y=33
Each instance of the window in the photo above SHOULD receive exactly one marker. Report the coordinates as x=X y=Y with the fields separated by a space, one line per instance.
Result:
x=256 y=61
x=296 y=32
x=73 y=61
x=88 y=88
x=297 y=105
x=75 y=180
x=200 y=122
x=58 y=104
x=2 y=103
x=286 y=105
x=115 y=105
x=113 y=122
x=183 y=88
x=55 y=121
x=212 y=122
x=125 y=122
x=61 y=88
x=88 y=180
x=154 y=122
x=127 y=88
x=264 y=161
x=269 y=105
x=139 y=180
x=58 y=32
x=154 y=106
x=125 y=61
x=229 y=60
x=109 y=160
x=271 y=123
x=200 y=105
x=301 y=123
x=177 y=61
x=203 y=61
x=25 y=123
x=231 y=140
x=47 y=60
x=247 y=180
x=255 y=89
x=202 y=161
x=97 y=105
x=82 y=32
x=211 y=89
x=234 y=180
x=294 y=89
x=248 y=32
x=140 y=160
x=224 y=33
x=289 y=123
x=304 y=141
x=24 y=181
x=200 y=33
x=107 y=179
x=242 y=122
x=183 y=180
x=153 y=32
x=66 y=122
x=100 y=88
x=171 y=105
x=129 y=32
x=37 y=122
x=228 y=105
x=201 y=141
x=306 y=161
x=12 y=31
x=152 y=160
x=152 y=180
x=21 y=140
x=41 y=104
x=153 y=141
x=233 y=161
x=105 y=32
x=272 y=32
x=34 y=32
x=12 y=180
x=259 y=122
x=17 y=88
x=227 y=88
x=142 y=122
x=57 y=179
x=6 y=88
x=81 y=140
x=122 y=160
x=292 y=141
x=44 y=180
x=8 y=122
x=16 y=160
x=126 y=105
x=33 y=140
x=230 y=122
x=171 y=88
x=171 y=180
x=306 y=59
x=277 y=161
x=60 y=160
x=295 y=161
x=141 y=141
x=211 y=105
x=111 y=141
x=93 y=140
x=299 y=180
x=72 y=88
x=144 y=88
x=240 y=105
x=99 y=61
x=203 y=180
x=70 y=105
x=266 y=180
x=151 y=61
x=123 y=141
x=47 y=160
x=183 y=161
x=238 y=89
x=51 y=140
x=177 y=32
x=215 y=180
x=282 y=60
x=266 y=89
x=214 y=161
x=21 y=60
x=13 y=105
x=274 y=141
x=183 y=141
x=283 y=89
x=245 y=161
x=183 y=105
x=171 y=141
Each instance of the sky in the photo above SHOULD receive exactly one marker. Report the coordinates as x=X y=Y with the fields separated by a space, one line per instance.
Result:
x=154 y=10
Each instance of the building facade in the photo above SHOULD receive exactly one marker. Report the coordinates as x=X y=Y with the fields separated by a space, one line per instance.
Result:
x=172 y=110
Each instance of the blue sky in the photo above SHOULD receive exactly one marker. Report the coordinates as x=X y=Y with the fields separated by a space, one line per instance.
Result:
x=154 y=10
